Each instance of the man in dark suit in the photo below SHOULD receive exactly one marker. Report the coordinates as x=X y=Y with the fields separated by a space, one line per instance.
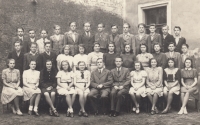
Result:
x=121 y=84
x=179 y=40
x=101 y=81
x=72 y=38
x=87 y=38
x=18 y=56
x=153 y=38
x=114 y=37
x=102 y=38
x=30 y=40
x=47 y=55
x=166 y=38
x=21 y=38
x=140 y=38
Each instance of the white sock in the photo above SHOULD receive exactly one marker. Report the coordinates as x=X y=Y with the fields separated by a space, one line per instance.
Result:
x=30 y=108
x=35 y=109
x=71 y=110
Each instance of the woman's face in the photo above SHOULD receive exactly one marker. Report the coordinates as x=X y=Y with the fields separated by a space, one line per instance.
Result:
x=171 y=63
x=137 y=66
x=81 y=66
x=143 y=48
x=153 y=63
x=188 y=64
x=11 y=64
x=127 y=48
x=65 y=66
x=66 y=51
x=111 y=47
x=49 y=65
x=96 y=48
x=32 y=65
x=81 y=50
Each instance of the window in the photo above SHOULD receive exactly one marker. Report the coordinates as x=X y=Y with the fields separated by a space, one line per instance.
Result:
x=156 y=15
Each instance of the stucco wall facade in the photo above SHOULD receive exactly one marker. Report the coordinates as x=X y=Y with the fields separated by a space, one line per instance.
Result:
x=184 y=13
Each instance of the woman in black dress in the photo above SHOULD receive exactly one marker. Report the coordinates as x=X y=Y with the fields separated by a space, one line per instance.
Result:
x=48 y=86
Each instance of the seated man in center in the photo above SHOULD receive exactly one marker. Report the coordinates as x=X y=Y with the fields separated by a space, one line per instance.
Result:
x=121 y=84
x=101 y=82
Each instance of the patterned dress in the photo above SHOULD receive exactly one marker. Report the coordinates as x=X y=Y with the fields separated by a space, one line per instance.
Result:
x=11 y=77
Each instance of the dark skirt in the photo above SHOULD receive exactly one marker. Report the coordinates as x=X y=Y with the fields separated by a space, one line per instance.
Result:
x=49 y=91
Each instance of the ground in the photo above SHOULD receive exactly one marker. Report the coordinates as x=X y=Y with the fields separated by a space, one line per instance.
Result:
x=172 y=118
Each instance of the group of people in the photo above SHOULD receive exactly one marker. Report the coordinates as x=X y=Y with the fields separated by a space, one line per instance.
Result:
x=100 y=68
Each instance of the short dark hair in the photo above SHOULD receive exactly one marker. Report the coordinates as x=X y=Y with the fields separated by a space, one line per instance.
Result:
x=143 y=44
x=82 y=45
x=86 y=22
x=171 y=43
x=31 y=30
x=114 y=25
x=100 y=59
x=20 y=43
x=33 y=44
x=72 y=22
x=119 y=57
x=131 y=50
x=153 y=24
x=185 y=44
x=171 y=59
x=127 y=24
x=47 y=43
x=102 y=24
x=151 y=60
x=190 y=61
x=141 y=67
x=19 y=28
x=141 y=24
x=178 y=27
x=69 y=68
x=54 y=27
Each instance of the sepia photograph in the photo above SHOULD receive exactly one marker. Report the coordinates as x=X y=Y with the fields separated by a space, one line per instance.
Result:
x=99 y=62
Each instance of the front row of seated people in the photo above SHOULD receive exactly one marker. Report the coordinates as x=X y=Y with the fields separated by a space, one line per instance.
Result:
x=102 y=84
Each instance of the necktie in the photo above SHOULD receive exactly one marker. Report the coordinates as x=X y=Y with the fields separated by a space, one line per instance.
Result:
x=82 y=75
x=99 y=71
x=118 y=71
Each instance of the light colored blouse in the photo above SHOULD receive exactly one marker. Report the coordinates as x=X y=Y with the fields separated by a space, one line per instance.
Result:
x=65 y=76
x=144 y=59
x=11 y=76
x=138 y=76
x=79 y=79
x=80 y=57
x=31 y=77
x=154 y=77
x=93 y=56
x=62 y=57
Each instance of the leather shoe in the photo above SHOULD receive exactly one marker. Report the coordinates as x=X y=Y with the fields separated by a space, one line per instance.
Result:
x=85 y=114
x=67 y=114
x=116 y=114
x=55 y=113
x=71 y=114
x=18 y=112
x=36 y=113
x=80 y=113
x=30 y=112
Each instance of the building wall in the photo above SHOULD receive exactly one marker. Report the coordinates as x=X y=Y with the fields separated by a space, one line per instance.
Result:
x=184 y=13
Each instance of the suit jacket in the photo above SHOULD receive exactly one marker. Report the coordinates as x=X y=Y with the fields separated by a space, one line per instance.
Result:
x=118 y=43
x=105 y=78
x=165 y=42
x=177 y=58
x=28 y=44
x=121 y=79
x=139 y=41
x=57 y=44
x=23 y=43
x=88 y=41
x=156 y=39
x=129 y=39
x=181 y=41
x=28 y=57
x=102 y=39
x=44 y=57
x=18 y=60
x=68 y=40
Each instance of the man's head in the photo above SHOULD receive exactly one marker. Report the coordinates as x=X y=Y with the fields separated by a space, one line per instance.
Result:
x=165 y=29
x=118 y=61
x=20 y=31
x=87 y=27
x=114 y=29
x=31 y=33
